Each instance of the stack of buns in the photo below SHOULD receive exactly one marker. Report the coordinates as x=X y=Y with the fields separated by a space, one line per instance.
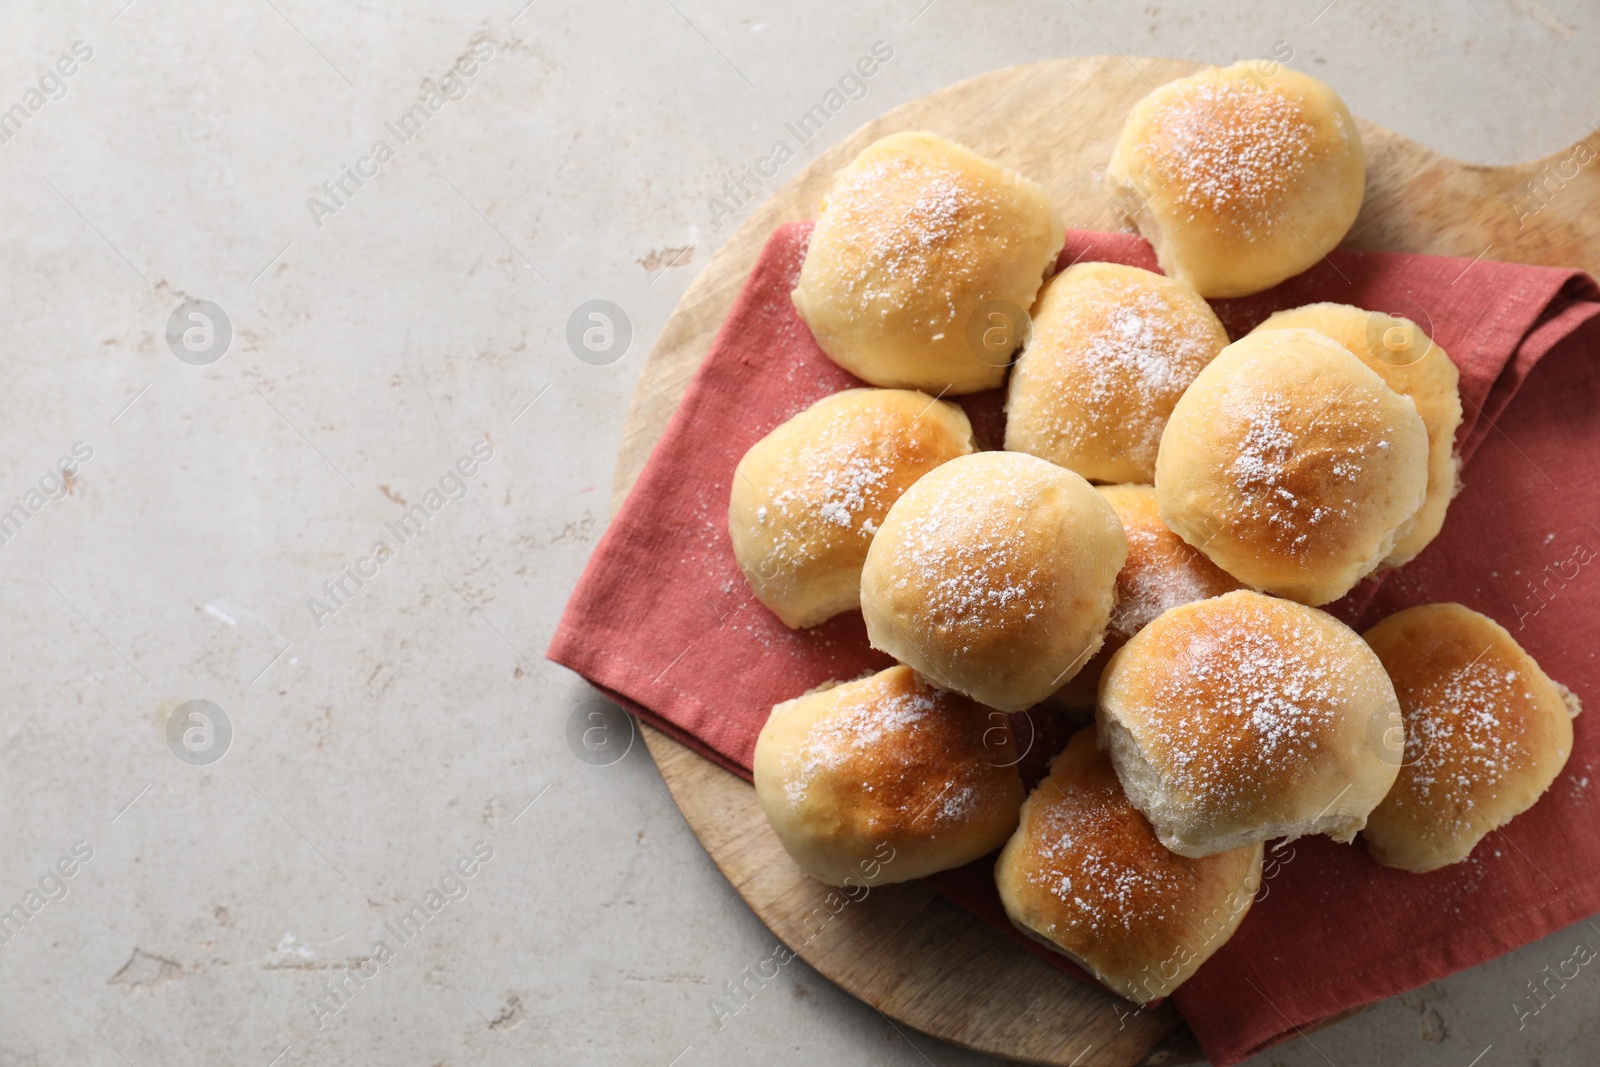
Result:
x=1150 y=548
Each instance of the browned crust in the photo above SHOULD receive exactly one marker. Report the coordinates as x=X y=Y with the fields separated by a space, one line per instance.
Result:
x=1486 y=733
x=888 y=762
x=1086 y=872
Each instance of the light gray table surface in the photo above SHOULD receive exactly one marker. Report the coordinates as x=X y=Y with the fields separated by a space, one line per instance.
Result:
x=377 y=339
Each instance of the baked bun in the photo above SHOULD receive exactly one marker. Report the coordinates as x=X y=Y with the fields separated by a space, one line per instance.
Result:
x=1112 y=349
x=1161 y=572
x=916 y=237
x=1407 y=359
x=886 y=779
x=808 y=497
x=993 y=576
x=1085 y=875
x=1240 y=176
x=1243 y=718
x=1292 y=465
x=1486 y=732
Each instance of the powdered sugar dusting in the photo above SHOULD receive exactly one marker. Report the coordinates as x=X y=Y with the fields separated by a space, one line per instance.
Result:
x=918 y=227
x=1232 y=150
x=1265 y=450
x=1280 y=695
x=846 y=481
x=1076 y=835
x=1250 y=686
x=1294 y=482
x=913 y=754
x=1129 y=345
x=1162 y=572
x=842 y=483
x=857 y=730
x=1109 y=363
x=1464 y=737
x=970 y=559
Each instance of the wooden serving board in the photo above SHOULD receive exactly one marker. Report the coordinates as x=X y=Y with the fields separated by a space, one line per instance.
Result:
x=916 y=958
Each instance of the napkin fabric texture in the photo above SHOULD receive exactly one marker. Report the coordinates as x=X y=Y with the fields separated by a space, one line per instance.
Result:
x=663 y=621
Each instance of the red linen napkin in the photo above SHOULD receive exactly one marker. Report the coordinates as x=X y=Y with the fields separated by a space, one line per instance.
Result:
x=663 y=620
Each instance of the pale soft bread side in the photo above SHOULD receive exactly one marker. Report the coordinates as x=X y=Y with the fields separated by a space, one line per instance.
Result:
x=994 y=576
x=1243 y=718
x=916 y=237
x=1161 y=572
x=808 y=497
x=1486 y=732
x=1240 y=176
x=1085 y=875
x=1404 y=356
x=886 y=779
x=1112 y=348
x=1292 y=465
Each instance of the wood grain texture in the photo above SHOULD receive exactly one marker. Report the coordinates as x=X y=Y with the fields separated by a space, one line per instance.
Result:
x=908 y=953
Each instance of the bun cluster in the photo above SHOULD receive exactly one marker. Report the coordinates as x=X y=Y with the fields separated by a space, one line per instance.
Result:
x=1175 y=603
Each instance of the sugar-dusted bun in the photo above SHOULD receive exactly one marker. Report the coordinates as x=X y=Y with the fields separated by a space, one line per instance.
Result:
x=1292 y=465
x=916 y=236
x=886 y=779
x=1243 y=718
x=1112 y=349
x=1486 y=732
x=1240 y=176
x=993 y=576
x=1086 y=875
x=1406 y=358
x=1161 y=572
x=808 y=497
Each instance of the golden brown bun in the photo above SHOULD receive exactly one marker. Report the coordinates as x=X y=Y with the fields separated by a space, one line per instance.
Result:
x=1161 y=572
x=886 y=779
x=1086 y=875
x=1243 y=718
x=993 y=576
x=1112 y=349
x=917 y=236
x=1408 y=360
x=1292 y=465
x=808 y=497
x=1240 y=176
x=1486 y=732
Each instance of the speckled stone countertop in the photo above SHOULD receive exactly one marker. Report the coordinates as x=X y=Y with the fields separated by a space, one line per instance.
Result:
x=383 y=215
